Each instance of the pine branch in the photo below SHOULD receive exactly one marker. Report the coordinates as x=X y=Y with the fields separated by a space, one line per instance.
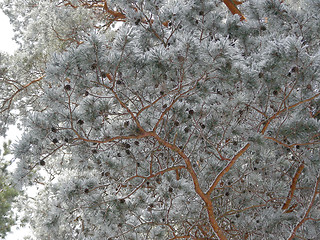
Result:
x=232 y=5
x=305 y=217
x=293 y=187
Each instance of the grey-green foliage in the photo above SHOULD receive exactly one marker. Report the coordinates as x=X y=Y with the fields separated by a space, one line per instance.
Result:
x=7 y=194
x=113 y=118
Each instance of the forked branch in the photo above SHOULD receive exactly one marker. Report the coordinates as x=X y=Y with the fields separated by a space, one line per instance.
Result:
x=9 y=100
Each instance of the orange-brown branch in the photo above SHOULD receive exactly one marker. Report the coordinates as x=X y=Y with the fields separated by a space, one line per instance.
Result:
x=70 y=39
x=119 y=16
x=293 y=187
x=116 y=15
x=232 y=5
x=206 y=198
x=291 y=145
x=227 y=168
x=160 y=172
x=305 y=217
x=10 y=99
x=278 y=141
x=286 y=109
x=231 y=163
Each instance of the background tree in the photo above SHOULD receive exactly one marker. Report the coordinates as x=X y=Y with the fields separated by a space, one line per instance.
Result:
x=7 y=194
x=185 y=122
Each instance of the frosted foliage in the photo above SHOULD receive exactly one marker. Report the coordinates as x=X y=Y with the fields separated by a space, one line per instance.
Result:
x=184 y=122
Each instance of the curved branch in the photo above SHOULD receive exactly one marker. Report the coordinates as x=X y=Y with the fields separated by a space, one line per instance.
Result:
x=206 y=198
x=286 y=109
x=305 y=217
x=10 y=99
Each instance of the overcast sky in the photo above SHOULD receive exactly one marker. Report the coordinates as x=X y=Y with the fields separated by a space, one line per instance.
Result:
x=6 y=42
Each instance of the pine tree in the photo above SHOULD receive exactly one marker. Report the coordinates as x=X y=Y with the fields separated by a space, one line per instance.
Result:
x=167 y=119
x=7 y=194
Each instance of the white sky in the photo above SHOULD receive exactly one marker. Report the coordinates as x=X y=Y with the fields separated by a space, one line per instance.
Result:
x=6 y=42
